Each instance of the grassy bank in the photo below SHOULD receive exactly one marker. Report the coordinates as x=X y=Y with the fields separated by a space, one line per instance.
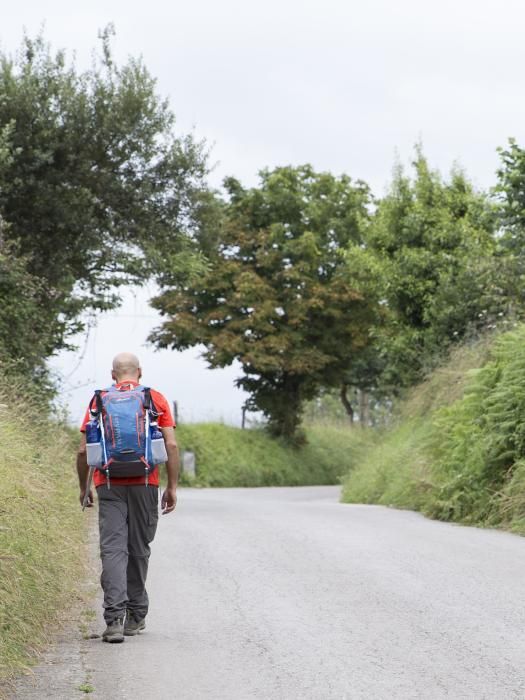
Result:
x=41 y=530
x=457 y=450
x=229 y=456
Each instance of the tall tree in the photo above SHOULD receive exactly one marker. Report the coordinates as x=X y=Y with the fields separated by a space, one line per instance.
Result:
x=276 y=295
x=510 y=190
x=26 y=336
x=434 y=241
x=94 y=180
x=510 y=197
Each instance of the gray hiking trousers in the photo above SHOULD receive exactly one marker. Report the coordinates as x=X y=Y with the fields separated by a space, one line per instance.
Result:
x=127 y=519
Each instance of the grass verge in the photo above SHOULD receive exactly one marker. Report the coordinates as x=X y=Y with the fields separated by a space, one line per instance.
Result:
x=229 y=456
x=457 y=449
x=41 y=530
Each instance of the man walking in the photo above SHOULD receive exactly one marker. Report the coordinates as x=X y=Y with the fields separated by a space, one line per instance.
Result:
x=128 y=506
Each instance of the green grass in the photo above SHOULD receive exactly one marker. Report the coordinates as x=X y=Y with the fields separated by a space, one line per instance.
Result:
x=457 y=448
x=41 y=531
x=391 y=469
x=229 y=456
x=86 y=688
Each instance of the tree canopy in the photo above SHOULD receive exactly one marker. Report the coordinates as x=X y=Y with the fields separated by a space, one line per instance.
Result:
x=276 y=295
x=431 y=248
x=94 y=181
x=311 y=284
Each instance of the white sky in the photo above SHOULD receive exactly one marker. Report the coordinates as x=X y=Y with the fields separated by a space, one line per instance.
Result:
x=343 y=85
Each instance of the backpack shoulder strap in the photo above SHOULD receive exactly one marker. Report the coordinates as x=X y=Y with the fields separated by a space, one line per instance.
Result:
x=149 y=404
x=97 y=402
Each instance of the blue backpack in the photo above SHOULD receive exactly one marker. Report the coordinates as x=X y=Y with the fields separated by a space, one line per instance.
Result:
x=126 y=418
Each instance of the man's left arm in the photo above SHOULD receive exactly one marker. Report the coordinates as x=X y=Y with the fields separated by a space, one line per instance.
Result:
x=169 y=497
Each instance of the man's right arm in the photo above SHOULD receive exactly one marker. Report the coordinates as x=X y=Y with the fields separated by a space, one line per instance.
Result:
x=82 y=471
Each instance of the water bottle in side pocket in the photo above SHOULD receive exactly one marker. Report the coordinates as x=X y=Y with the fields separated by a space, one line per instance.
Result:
x=94 y=443
x=158 y=447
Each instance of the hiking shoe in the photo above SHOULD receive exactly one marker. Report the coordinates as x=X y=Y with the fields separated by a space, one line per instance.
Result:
x=114 y=632
x=133 y=626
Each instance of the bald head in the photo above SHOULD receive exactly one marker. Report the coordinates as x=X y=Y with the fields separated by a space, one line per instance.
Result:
x=126 y=366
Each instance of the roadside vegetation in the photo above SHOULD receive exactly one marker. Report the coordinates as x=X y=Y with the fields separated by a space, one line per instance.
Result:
x=227 y=456
x=41 y=529
x=456 y=450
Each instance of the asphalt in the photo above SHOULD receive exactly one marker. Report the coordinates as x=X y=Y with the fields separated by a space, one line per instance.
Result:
x=284 y=593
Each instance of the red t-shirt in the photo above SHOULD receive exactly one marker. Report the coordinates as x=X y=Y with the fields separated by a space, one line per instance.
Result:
x=165 y=420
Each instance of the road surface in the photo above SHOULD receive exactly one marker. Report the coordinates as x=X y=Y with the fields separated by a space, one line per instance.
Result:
x=286 y=594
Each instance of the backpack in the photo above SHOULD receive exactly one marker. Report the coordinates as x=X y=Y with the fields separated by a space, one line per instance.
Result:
x=126 y=418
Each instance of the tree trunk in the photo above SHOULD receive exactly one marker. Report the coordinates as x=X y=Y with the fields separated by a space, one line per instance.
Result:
x=364 y=413
x=284 y=411
x=346 y=403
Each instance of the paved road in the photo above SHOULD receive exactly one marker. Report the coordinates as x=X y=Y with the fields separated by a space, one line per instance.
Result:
x=287 y=594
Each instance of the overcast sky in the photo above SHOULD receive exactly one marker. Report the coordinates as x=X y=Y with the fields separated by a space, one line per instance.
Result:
x=343 y=85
